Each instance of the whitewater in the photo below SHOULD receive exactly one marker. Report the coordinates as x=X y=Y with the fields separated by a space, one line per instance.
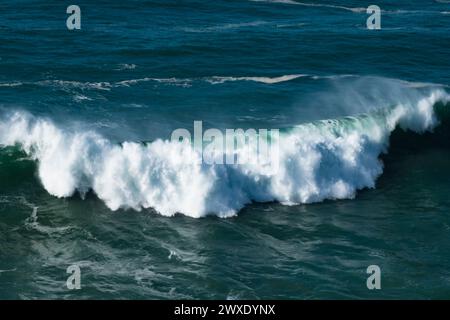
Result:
x=327 y=159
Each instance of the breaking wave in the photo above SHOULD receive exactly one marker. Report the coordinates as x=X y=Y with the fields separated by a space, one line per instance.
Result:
x=329 y=159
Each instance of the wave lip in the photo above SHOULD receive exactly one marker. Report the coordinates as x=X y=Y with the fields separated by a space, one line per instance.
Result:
x=356 y=10
x=340 y=7
x=188 y=82
x=267 y=80
x=329 y=159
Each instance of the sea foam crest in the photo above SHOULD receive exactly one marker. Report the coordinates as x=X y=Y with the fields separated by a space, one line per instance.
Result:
x=329 y=159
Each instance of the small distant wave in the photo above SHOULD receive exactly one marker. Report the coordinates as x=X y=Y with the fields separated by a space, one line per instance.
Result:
x=267 y=80
x=81 y=97
x=63 y=84
x=356 y=10
x=11 y=84
x=291 y=25
x=125 y=66
x=225 y=27
x=351 y=9
x=173 y=81
x=73 y=84
x=277 y=1
x=184 y=82
x=223 y=79
x=189 y=82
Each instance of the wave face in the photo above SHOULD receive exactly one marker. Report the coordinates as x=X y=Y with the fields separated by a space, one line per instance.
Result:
x=329 y=159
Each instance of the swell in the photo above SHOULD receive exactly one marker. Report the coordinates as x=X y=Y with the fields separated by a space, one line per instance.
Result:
x=323 y=5
x=358 y=10
x=188 y=82
x=329 y=159
x=107 y=86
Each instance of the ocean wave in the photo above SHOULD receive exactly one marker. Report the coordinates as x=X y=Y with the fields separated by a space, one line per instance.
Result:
x=125 y=66
x=329 y=159
x=174 y=81
x=69 y=85
x=11 y=84
x=267 y=80
x=356 y=9
x=225 y=27
x=189 y=82
x=184 y=82
x=351 y=9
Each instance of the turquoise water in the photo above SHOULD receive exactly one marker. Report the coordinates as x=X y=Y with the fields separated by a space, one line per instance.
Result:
x=86 y=179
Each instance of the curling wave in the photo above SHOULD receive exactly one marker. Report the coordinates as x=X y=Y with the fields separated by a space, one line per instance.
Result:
x=329 y=159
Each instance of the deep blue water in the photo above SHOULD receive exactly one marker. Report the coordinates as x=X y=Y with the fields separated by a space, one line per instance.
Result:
x=84 y=178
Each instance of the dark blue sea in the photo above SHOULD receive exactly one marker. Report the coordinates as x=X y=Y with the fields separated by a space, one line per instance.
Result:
x=90 y=175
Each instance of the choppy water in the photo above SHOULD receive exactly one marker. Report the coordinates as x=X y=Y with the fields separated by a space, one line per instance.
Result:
x=88 y=175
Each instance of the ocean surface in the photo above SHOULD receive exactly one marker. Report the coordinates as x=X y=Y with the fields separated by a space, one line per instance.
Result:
x=90 y=177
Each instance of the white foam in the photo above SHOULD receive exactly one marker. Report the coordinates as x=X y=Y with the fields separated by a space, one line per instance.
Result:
x=125 y=66
x=356 y=10
x=225 y=27
x=339 y=7
x=11 y=84
x=321 y=160
x=175 y=81
x=183 y=82
x=65 y=84
x=267 y=80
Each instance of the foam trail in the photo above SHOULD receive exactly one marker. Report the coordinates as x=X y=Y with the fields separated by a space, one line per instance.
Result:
x=322 y=160
x=224 y=27
x=356 y=10
x=184 y=82
x=351 y=9
x=267 y=80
